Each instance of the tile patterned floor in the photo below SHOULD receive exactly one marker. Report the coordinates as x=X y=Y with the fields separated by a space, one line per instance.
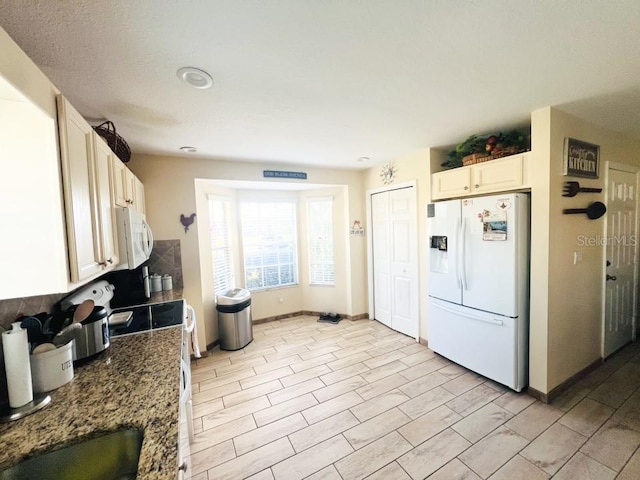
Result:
x=358 y=400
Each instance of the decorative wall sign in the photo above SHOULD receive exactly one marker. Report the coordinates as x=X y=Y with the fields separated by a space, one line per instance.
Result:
x=357 y=229
x=281 y=174
x=581 y=159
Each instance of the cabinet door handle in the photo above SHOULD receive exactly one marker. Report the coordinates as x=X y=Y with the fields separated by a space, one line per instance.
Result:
x=102 y=264
x=477 y=186
x=466 y=188
x=110 y=260
x=183 y=467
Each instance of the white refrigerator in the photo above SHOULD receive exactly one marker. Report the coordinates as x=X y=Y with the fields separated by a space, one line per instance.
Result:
x=479 y=285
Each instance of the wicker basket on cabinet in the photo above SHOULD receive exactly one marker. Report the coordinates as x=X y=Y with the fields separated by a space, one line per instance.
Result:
x=117 y=144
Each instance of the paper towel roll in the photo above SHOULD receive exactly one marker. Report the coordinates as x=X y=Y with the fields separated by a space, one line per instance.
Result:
x=16 y=363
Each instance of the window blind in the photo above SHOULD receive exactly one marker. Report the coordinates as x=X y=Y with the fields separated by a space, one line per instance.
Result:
x=320 y=231
x=269 y=241
x=221 y=248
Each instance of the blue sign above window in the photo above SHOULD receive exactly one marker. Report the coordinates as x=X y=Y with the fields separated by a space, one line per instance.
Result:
x=281 y=174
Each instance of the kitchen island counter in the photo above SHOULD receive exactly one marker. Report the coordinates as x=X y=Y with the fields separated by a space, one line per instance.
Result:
x=134 y=383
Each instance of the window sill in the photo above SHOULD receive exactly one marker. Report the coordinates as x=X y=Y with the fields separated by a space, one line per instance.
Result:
x=268 y=289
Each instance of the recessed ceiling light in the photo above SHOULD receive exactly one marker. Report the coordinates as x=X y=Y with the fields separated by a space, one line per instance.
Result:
x=195 y=77
x=364 y=159
x=189 y=149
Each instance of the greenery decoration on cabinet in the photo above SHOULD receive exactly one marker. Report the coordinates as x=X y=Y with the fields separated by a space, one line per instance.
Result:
x=482 y=148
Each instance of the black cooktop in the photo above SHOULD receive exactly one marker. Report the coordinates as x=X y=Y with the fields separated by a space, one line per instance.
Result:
x=149 y=317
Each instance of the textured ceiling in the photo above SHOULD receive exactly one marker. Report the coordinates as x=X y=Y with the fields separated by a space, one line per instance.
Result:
x=323 y=82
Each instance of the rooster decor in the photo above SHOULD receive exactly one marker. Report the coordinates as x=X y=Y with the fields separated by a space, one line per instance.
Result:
x=187 y=221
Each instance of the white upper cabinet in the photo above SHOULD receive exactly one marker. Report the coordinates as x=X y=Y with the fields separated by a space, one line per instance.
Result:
x=504 y=174
x=34 y=256
x=138 y=198
x=76 y=150
x=90 y=227
x=106 y=207
x=127 y=188
x=122 y=196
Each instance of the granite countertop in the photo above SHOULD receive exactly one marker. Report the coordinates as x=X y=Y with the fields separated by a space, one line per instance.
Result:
x=134 y=383
x=166 y=296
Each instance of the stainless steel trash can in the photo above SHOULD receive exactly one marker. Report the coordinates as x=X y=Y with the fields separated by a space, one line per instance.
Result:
x=234 y=319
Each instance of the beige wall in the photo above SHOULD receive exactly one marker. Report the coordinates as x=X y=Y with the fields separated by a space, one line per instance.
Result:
x=170 y=189
x=412 y=167
x=566 y=299
x=327 y=298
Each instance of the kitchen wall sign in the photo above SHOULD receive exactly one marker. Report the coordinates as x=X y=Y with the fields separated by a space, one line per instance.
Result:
x=282 y=174
x=581 y=159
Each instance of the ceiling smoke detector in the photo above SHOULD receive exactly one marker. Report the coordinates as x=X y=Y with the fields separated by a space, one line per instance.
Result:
x=189 y=149
x=195 y=77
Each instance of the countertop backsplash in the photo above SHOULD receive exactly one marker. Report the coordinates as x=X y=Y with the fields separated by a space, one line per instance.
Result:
x=9 y=309
x=166 y=259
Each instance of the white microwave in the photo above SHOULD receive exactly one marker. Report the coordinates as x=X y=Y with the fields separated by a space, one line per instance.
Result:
x=135 y=239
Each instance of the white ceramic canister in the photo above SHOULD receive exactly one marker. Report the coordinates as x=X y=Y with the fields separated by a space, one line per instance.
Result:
x=156 y=283
x=167 y=282
x=53 y=368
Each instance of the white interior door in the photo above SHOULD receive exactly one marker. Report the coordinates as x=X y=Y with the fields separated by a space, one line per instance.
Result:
x=381 y=257
x=621 y=263
x=395 y=260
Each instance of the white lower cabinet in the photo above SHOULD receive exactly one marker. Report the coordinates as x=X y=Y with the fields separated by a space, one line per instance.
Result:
x=89 y=216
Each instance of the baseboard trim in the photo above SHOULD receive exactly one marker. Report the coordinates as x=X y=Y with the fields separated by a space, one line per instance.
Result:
x=205 y=354
x=284 y=316
x=556 y=391
x=423 y=341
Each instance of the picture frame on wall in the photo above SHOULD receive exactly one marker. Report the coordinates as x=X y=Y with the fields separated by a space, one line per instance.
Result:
x=581 y=159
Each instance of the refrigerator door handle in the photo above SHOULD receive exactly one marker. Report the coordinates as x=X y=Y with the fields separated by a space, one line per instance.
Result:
x=463 y=241
x=457 y=259
x=472 y=317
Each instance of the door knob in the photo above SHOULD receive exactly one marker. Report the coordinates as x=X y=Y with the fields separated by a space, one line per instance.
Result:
x=610 y=277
